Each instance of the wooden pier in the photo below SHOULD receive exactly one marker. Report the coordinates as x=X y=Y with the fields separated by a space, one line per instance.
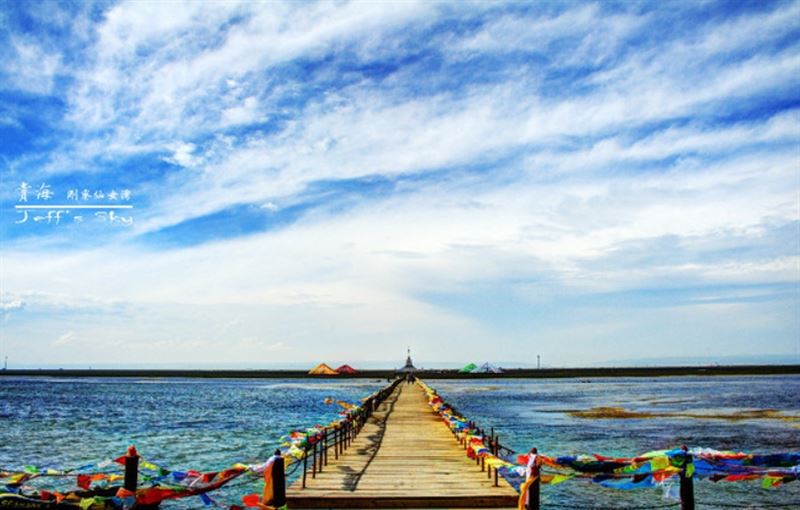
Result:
x=403 y=457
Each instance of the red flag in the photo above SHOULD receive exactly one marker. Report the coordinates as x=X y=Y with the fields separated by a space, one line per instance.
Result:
x=251 y=500
x=84 y=481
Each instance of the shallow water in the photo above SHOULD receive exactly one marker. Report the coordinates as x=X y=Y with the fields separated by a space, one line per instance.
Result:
x=528 y=413
x=176 y=423
x=211 y=424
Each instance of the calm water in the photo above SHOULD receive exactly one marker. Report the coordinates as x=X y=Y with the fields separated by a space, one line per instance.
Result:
x=211 y=424
x=531 y=413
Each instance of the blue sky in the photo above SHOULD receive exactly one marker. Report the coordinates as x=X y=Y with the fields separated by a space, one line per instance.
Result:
x=337 y=181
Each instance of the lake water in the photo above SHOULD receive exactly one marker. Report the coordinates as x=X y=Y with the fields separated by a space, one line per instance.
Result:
x=211 y=424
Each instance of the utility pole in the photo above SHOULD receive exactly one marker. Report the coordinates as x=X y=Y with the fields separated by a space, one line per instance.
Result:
x=538 y=362
x=5 y=364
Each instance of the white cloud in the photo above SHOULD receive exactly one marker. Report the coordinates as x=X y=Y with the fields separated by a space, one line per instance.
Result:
x=590 y=36
x=183 y=154
x=31 y=67
x=14 y=304
x=245 y=113
x=65 y=339
x=168 y=91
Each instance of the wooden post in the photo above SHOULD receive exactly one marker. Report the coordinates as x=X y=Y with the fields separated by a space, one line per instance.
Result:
x=278 y=483
x=318 y=455
x=131 y=469
x=496 y=452
x=534 y=491
x=336 y=442
x=687 y=484
x=325 y=451
x=305 y=467
x=314 y=464
x=491 y=449
x=321 y=442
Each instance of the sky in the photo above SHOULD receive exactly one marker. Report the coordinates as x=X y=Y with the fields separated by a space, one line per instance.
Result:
x=268 y=183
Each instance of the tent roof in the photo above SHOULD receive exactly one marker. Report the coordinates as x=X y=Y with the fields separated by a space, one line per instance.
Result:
x=487 y=368
x=322 y=369
x=469 y=367
x=346 y=369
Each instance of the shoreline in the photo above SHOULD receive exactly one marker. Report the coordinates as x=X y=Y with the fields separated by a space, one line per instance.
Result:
x=523 y=373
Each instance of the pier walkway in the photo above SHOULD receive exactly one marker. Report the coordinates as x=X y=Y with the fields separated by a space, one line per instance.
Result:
x=404 y=457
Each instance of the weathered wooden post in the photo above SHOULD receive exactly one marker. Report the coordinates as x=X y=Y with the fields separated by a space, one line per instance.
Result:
x=274 y=483
x=687 y=482
x=319 y=454
x=491 y=449
x=497 y=453
x=533 y=499
x=131 y=469
x=305 y=466
x=314 y=464
x=325 y=449
x=534 y=493
x=278 y=482
x=336 y=442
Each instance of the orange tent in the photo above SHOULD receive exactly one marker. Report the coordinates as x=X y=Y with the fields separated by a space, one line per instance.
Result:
x=322 y=369
x=346 y=369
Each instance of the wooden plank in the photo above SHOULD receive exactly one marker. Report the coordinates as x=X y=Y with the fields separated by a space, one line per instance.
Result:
x=405 y=457
x=400 y=502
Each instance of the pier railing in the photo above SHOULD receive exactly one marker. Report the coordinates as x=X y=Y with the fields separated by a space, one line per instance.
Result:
x=94 y=493
x=532 y=493
x=527 y=470
x=339 y=436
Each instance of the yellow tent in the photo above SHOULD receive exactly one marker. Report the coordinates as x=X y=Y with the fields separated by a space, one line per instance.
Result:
x=322 y=369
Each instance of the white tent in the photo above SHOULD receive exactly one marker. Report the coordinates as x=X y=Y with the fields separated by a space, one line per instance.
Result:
x=487 y=368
